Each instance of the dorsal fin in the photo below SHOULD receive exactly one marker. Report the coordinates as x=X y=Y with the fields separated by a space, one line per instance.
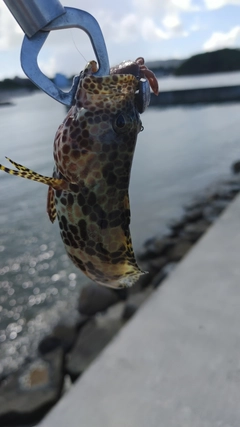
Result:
x=51 y=208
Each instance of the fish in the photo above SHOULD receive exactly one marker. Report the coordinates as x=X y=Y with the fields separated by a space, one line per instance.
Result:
x=93 y=153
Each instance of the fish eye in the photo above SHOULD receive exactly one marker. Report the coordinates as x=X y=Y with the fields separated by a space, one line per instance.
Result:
x=119 y=123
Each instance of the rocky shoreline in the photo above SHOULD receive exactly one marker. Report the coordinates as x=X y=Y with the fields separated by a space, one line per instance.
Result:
x=26 y=395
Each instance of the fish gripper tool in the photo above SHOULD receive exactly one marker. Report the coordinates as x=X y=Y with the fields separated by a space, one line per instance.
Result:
x=37 y=18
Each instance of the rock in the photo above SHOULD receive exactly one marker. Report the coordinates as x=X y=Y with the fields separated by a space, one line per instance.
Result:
x=157 y=264
x=224 y=195
x=155 y=248
x=93 y=337
x=179 y=250
x=212 y=211
x=234 y=185
x=121 y=293
x=193 y=215
x=234 y=181
x=74 y=321
x=149 y=241
x=176 y=226
x=199 y=203
x=26 y=395
x=82 y=320
x=194 y=231
x=157 y=280
x=232 y=188
x=67 y=384
x=62 y=336
x=129 y=311
x=66 y=334
x=146 y=254
x=141 y=283
x=95 y=298
x=236 y=167
x=48 y=344
x=134 y=302
x=168 y=269
x=219 y=205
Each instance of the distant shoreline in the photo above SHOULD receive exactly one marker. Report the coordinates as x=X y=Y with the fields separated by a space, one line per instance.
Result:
x=6 y=95
x=168 y=98
x=209 y=95
x=6 y=103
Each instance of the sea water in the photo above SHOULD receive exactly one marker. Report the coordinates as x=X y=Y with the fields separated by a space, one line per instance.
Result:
x=181 y=151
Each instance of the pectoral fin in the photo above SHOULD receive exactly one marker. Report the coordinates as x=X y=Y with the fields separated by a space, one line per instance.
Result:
x=23 y=172
x=51 y=208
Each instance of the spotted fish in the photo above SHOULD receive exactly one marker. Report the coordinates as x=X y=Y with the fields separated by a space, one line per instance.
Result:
x=88 y=193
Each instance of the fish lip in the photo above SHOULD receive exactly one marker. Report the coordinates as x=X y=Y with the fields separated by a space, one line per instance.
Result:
x=109 y=85
x=96 y=92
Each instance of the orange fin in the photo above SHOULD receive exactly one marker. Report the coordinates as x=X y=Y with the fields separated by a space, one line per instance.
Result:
x=51 y=208
x=23 y=172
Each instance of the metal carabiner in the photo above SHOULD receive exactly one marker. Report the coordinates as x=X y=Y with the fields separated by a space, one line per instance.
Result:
x=73 y=18
x=33 y=15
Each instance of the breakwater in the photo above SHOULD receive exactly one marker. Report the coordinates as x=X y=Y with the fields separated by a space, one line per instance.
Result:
x=63 y=355
x=196 y=96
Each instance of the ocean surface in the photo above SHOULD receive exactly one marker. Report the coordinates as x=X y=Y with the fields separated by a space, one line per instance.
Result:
x=179 y=154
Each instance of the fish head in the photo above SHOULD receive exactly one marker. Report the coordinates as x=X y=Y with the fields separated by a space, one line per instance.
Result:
x=103 y=120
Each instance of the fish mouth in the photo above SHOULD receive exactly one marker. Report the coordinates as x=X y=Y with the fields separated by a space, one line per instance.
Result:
x=97 y=91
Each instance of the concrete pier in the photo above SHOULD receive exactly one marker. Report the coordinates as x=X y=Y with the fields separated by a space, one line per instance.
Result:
x=177 y=362
x=196 y=96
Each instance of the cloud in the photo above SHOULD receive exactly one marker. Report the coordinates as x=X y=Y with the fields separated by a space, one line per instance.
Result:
x=161 y=6
x=128 y=26
x=150 y=31
x=174 y=26
x=195 y=27
x=11 y=34
x=221 y=40
x=216 y=4
x=171 y=22
x=185 y=5
x=123 y=29
x=124 y=23
x=49 y=67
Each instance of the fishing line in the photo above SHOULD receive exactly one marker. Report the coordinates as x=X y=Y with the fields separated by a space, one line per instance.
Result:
x=76 y=46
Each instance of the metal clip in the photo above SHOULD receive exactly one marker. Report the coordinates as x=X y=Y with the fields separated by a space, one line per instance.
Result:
x=33 y=15
x=73 y=18
x=143 y=96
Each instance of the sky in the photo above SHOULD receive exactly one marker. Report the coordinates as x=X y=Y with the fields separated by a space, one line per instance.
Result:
x=154 y=29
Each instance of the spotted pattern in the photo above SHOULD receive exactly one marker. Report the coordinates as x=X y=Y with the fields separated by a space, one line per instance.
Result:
x=93 y=152
x=94 y=149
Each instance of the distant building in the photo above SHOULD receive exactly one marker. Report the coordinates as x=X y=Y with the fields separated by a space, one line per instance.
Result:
x=61 y=80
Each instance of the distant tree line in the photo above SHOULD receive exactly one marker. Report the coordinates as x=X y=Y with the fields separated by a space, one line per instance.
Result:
x=17 y=83
x=219 y=61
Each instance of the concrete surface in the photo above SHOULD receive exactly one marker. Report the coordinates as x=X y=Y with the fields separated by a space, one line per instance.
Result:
x=177 y=362
x=196 y=96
